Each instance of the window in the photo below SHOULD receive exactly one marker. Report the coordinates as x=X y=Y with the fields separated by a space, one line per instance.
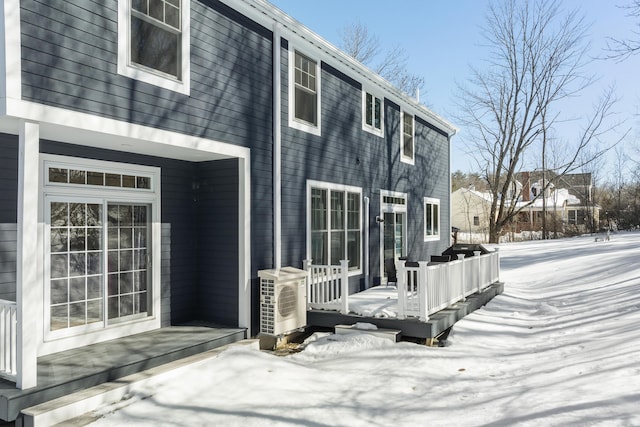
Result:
x=407 y=140
x=372 y=113
x=335 y=225
x=99 y=244
x=431 y=219
x=153 y=42
x=304 y=93
x=476 y=221
x=577 y=216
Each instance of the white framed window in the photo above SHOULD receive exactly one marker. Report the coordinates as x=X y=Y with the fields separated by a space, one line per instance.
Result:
x=476 y=220
x=304 y=93
x=407 y=138
x=431 y=219
x=334 y=224
x=153 y=42
x=101 y=245
x=372 y=113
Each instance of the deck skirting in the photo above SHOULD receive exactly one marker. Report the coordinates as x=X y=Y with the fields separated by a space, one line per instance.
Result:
x=411 y=327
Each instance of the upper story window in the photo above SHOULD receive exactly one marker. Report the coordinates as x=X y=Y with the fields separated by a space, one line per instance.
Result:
x=153 y=42
x=304 y=93
x=407 y=149
x=431 y=219
x=372 y=115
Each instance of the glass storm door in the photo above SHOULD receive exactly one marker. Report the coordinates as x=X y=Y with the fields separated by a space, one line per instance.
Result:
x=394 y=238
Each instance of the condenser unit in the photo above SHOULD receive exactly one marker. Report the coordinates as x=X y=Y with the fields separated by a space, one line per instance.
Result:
x=283 y=300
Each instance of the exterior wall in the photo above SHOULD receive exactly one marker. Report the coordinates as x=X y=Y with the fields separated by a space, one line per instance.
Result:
x=69 y=58
x=345 y=154
x=8 y=215
x=464 y=206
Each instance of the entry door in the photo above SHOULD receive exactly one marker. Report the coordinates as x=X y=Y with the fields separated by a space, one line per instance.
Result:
x=394 y=232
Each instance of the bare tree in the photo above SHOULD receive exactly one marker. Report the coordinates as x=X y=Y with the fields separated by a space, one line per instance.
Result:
x=620 y=49
x=357 y=41
x=538 y=58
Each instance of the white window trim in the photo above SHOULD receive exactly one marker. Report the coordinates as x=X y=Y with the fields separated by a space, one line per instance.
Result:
x=335 y=187
x=370 y=128
x=393 y=208
x=403 y=158
x=126 y=68
x=431 y=201
x=59 y=340
x=297 y=124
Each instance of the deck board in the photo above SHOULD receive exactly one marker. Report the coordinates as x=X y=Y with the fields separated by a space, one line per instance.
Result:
x=62 y=373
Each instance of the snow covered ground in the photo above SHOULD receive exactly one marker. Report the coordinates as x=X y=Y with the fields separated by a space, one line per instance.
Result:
x=560 y=347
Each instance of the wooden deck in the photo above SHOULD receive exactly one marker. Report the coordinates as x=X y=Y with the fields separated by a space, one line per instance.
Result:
x=63 y=373
x=410 y=327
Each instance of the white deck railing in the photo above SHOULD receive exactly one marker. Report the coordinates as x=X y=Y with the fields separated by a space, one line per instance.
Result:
x=8 y=340
x=426 y=289
x=328 y=286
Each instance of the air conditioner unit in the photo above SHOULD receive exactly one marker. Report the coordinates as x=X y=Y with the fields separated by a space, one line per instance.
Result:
x=283 y=300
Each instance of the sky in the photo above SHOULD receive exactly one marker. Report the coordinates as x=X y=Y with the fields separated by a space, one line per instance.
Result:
x=560 y=347
x=443 y=39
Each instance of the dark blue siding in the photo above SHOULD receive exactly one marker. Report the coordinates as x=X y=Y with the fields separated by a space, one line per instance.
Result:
x=346 y=154
x=218 y=241
x=70 y=61
x=8 y=215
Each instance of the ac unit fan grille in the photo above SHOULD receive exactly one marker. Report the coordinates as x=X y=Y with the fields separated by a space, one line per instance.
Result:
x=287 y=300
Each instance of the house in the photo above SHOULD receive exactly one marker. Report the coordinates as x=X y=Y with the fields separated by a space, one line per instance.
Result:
x=155 y=155
x=567 y=202
x=470 y=213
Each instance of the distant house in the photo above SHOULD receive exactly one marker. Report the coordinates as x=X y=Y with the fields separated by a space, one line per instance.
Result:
x=568 y=209
x=157 y=155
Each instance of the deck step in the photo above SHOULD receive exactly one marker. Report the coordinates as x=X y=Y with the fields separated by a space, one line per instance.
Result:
x=75 y=409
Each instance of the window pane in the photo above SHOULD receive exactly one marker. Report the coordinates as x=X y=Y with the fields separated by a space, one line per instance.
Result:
x=154 y=47
x=353 y=219
x=59 y=291
x=378 y=114
x=306 y=106
x=59 y=214
x=435 y=220
x=95 y=178
x=353 y=249
x=172 y=16
x=77 y=177
x=337 y=210
x=58 y=175
x=408 y=135
x=337 y=248
x=77 y=214
x=59 y=240
x=428 y=219
x=369 y=109
x=113 y=180
x=128 y=181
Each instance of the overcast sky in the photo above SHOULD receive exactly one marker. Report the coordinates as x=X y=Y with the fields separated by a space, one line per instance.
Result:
x=443 y=39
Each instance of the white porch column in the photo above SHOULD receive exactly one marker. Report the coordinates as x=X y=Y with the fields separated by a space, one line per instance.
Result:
x=28 y=286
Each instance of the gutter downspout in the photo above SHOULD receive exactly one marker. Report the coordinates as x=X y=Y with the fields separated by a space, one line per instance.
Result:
x=366 y=242
x=277 y=151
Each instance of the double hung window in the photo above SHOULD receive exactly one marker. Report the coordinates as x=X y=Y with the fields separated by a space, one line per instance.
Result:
x=304 y=82
x=407 y=141
x=153 y=38
x=335 y=225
